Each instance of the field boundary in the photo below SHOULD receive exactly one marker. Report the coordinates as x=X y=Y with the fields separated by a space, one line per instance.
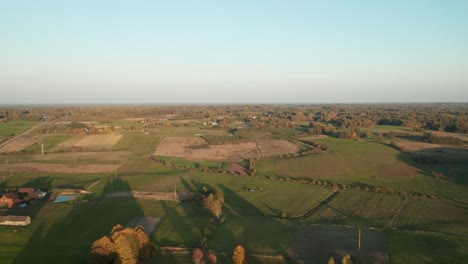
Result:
x=159 y=196
x=22 y=134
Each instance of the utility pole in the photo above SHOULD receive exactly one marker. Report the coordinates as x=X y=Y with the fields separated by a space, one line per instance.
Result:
x=359 y=242
x=42 y=148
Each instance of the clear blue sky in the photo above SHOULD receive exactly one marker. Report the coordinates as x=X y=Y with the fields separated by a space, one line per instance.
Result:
x=233 y=51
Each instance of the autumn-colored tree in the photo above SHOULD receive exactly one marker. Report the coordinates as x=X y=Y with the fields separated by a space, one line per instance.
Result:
x=214 y=203
x=124 y=245
x=198 y=256
x=239 y=255
x=211 y=258
x=102 y=251
x=127 y=246
x=347 y=260
x=145 y=246
x=331 y=260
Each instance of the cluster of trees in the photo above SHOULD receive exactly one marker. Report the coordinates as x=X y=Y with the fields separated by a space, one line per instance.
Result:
x=123 y=245
x=214 y=201
x=345 y=260
x=200 y=256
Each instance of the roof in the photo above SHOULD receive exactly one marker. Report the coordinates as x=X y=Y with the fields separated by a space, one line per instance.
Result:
x=13 y=218
x=11 y=196
x=26 y=190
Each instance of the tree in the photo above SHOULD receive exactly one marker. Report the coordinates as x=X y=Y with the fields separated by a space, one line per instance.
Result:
x=198 y=256
x=123 y=245
x=214 y=203
x=211 y=258
x=331 y=260
x=347 y=260
x=239 y=255
x=102 y=251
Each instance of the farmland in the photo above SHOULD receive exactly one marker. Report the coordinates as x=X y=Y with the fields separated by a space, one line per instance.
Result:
x=410 y=203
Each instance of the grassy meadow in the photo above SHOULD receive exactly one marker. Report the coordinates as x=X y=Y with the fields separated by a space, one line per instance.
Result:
x=267 y=214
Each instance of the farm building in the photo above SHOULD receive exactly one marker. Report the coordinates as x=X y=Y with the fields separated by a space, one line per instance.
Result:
x=26 y=190
x=15 y=220
x=10 y=199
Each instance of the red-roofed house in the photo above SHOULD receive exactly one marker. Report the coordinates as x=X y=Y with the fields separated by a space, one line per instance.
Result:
x=10 y=199
x=26 y=190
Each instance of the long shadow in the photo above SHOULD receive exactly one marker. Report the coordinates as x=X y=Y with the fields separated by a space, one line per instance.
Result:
x=453 y=163
x=257 y=230
x=63 y=233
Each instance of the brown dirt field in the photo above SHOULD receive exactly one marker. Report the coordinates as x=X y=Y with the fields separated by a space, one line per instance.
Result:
x=91 y=142
x=21 y=143
x=236 y=168
x=59 y=168
x=317 y=244
x=196 y=148
x=276 y=147
x=411 y=146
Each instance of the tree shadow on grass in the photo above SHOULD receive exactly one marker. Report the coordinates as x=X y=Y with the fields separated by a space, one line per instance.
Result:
x=246 y=225
x=63 y=233
x=452 y=162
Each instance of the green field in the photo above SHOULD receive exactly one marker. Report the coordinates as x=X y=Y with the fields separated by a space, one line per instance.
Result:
x=420 y=247
x=267 y=215
x=137 y=141
x=359 y=208
x=12 y=128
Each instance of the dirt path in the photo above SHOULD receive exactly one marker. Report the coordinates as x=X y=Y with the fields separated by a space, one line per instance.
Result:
x=24 y=133
x=397 y=213
x=258 y=148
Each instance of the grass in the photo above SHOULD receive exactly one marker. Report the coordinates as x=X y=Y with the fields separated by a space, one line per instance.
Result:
x=63 y=233
x=137 y=141
x=181 y=162
x=49 y=143
x=359 y=208
x=436 y=215
x=364 y=163
x=415 y=247
x=348 y=161
x=12 y=128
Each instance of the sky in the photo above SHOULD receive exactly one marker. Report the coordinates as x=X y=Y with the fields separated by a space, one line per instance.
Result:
x=195 y=52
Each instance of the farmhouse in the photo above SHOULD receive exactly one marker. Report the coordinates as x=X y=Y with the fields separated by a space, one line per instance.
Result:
x=10 y=199
x=26 y=190
x=15 y=220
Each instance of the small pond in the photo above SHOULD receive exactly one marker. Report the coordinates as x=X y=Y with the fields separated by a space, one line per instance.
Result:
x=64 y=198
